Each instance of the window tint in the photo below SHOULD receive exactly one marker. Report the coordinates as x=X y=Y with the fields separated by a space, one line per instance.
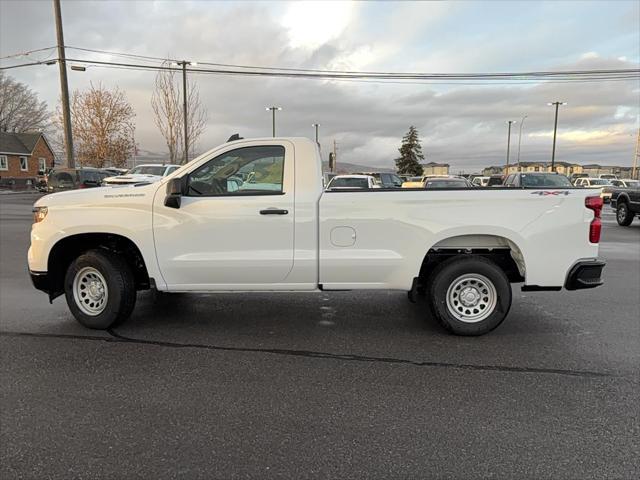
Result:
x=349 y=182
x=545 y=180
x=248 y=171
x=62 y=179
x=446 y=184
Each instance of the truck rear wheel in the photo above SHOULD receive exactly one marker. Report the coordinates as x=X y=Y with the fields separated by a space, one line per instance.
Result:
x=623 y=214
x=100 y=289
x=469 y=295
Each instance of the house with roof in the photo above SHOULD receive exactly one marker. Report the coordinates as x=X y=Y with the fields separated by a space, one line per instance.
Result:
x=23 y=157
x=433 y=168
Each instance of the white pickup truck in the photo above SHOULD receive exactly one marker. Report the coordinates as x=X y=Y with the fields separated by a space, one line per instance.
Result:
x=251 y=215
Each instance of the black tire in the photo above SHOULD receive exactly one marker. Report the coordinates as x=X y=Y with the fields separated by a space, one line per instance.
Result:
x=623 y=214
x=120 y=288
x=479 y=276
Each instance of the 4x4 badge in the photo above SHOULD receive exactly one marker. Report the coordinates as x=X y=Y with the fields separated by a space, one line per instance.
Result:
x=544 y=193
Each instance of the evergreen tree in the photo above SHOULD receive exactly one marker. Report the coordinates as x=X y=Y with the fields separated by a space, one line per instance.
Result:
x=410 y=154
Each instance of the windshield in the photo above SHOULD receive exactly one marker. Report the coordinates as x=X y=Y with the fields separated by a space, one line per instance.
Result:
x=545 y=180
x=349 y=182
x=453 y=183
x=147 y=170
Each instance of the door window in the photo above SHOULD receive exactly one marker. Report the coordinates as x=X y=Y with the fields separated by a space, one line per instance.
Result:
x=243 y=171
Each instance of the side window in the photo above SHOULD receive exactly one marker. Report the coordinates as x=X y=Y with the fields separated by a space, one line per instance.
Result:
x=42 y=165
x=4 y=164
x=24 y=165
x=245 y=171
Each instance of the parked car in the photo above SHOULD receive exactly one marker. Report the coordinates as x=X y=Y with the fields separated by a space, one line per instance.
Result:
x=61 y=179
x=624 y=183
x=385 y=180
x=536 y=180
x=480 y=181
x=626 y=202
x=419 y=182
x=148 y=173
x=350 y=182
x=495 y=180
x=608 y=176
x=596 y=183
x=452 y=182
x=177 y=236
x=574 y=176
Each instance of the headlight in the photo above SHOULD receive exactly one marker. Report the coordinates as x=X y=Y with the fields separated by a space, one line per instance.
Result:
x=39 y=213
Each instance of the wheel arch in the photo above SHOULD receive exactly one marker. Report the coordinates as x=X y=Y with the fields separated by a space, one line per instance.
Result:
x=500 y=249
x=66 y=249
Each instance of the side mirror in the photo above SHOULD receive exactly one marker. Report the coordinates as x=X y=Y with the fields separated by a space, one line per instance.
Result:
x=174 y=193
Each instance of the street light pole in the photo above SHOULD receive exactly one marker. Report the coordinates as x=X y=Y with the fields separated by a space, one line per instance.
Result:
x=555 y=129
x=520 y=139
x=64 y=87
x=508 y=144
x=273 y=118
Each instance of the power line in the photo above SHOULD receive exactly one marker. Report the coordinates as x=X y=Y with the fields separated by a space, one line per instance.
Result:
x=24 y=54
x=376 y=77
x=372 y=73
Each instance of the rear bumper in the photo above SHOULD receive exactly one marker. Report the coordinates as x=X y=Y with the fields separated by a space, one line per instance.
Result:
x=585 y=274
x=40 y=280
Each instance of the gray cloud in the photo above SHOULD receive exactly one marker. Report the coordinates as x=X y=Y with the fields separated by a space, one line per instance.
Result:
x=460 y=124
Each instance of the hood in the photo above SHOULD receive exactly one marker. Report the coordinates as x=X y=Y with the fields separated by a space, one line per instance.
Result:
x=98 y=195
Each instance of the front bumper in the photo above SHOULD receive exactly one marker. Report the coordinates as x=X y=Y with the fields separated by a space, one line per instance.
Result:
x=585 y=274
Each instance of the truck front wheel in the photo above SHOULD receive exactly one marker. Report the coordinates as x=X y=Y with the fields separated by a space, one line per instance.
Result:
x=469 y=295
x=100 y=289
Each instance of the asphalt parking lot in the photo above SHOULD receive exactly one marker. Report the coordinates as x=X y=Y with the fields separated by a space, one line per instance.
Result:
x=348 y=385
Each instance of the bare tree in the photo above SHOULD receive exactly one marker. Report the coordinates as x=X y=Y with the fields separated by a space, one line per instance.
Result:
x=20 y=108
x=166 y=102
x=103 y=126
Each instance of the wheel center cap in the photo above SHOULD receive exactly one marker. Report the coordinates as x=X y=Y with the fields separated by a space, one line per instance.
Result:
x=469 y=297
x=95 y=290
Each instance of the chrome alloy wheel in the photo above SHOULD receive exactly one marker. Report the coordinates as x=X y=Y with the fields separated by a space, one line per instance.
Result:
x=90 y=291
x=471 y=298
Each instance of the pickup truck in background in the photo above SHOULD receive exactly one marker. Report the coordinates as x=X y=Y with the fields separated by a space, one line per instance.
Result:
x=626 y=202
x=252 y=215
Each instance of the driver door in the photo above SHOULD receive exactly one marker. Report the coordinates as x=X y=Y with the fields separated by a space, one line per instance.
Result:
x=235 y=224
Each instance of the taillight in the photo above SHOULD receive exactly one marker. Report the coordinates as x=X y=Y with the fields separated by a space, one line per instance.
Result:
x=595 y=204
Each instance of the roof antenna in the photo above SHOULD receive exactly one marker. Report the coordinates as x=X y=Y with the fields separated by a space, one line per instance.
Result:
x=234 y=137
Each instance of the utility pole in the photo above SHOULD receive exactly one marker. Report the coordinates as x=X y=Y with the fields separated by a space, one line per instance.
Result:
x=508 y=144
x=64 y=87
x=520 y=139
x=634 y=170
x=184 y=64
x=273 y=118
x=555 y=129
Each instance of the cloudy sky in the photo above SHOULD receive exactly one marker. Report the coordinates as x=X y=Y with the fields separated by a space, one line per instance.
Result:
x=464 y=125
